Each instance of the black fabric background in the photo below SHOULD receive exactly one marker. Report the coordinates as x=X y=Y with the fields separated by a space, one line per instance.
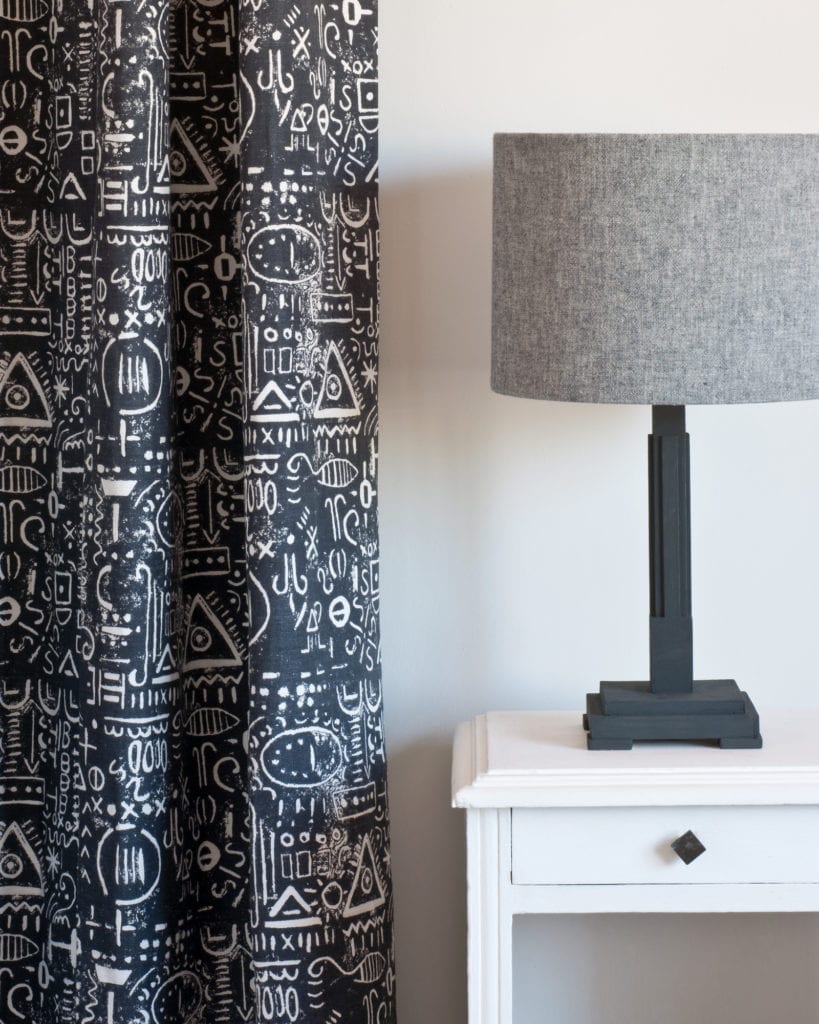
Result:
x=193 y=813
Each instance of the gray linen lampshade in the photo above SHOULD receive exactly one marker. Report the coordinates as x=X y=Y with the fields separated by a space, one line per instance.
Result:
x=656 y=269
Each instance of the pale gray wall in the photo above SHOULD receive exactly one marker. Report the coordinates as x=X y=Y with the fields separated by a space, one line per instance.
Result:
x=503 y=584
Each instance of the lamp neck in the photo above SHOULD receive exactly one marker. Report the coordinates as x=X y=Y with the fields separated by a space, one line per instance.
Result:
x=671 y=630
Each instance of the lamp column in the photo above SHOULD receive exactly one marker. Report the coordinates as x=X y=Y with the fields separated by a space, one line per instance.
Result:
x=671 y=705
x=669 y=483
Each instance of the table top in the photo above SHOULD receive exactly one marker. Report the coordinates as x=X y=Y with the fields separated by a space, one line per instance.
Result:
x=539 y=759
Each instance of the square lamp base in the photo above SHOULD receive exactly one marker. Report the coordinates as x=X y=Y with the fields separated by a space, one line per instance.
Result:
x=715 y=709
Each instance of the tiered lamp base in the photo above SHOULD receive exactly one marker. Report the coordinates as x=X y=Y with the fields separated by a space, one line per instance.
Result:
x=716 y=709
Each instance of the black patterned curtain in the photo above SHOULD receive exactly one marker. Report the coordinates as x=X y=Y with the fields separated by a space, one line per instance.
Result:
x=193 y=812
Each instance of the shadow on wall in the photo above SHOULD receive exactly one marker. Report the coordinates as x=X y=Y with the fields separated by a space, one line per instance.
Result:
x=471 y=542
x=485 y=499
x=754 y=968
x=436 y=271
x=429 y=871
x=434 y=392
x=435 y=253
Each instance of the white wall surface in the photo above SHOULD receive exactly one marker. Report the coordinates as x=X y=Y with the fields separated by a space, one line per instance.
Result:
x=514 y=533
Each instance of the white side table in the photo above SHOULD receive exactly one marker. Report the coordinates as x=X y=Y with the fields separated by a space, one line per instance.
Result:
x=553 y=828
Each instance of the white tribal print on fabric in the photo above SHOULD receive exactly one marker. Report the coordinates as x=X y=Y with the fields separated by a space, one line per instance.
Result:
x=193 y=808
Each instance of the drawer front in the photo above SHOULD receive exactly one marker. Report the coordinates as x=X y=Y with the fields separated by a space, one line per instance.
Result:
x=632 y=845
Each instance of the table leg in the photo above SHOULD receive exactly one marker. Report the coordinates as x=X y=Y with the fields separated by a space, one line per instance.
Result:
x=489 y=919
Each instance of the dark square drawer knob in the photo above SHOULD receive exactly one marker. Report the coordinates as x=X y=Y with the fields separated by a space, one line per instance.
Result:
x=687 y=847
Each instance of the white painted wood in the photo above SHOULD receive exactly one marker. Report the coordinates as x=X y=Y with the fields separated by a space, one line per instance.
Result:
x=632 y=845
x=539 y=759
x=663 y=899
x=489 y=917
x=553 y=828
x=465 y=765
x=505 y=915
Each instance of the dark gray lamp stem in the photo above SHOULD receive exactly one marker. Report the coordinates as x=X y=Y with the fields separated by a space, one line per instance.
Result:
x=669 y=482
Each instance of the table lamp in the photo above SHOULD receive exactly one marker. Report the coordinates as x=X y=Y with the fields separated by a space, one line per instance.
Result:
x=664 y=270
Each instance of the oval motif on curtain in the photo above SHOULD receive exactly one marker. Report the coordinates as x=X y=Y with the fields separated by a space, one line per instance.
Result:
x=128 y=864
x=16 y=947
x=284 y=254
x=20 y=479
x=131 y=375
x=178 y=999
x=301 y=757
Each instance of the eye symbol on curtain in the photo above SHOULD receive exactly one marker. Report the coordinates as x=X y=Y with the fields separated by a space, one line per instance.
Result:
x=10 y=866
x=19 y=866
x=365 y=881
x=178 y=163
x=18 y=397
x=201 y=639
x=22 y=399
x=332 y=386
x=207 y=642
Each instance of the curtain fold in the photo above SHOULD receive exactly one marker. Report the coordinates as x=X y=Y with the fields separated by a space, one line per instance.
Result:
x=193 y=805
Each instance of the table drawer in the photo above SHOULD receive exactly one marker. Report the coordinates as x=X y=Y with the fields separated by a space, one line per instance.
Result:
x=632 y=845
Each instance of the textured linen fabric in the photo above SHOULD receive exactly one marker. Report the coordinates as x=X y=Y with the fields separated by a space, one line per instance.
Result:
x=662 y=269
x=193 y=810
